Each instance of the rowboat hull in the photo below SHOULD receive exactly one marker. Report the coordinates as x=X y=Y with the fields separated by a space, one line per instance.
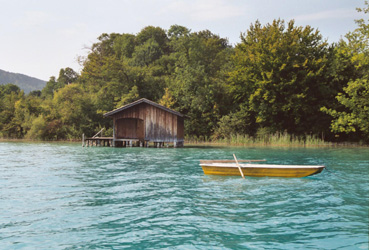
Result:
x=260 y=170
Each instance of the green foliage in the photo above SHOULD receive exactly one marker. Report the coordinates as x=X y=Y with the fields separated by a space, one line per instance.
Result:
x=10 y=124
x=8 y=88
x=38 y=129
x=356 y=101
x=240 y=122
x=66 y=76
x=156 y=34
x=124 y=46
x=198 y=83
x=167 y=99
x=282 y=84
x=177 y=31
x=75 y=111
x=352 y=115
x=51 y=86
x=131 y=96
x=147 y=53
x=280 y=76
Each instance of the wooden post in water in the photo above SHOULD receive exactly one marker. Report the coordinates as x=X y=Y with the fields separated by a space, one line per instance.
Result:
x=83 y=140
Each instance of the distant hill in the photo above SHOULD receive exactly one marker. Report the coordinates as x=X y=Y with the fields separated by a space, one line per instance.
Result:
x=24 y=82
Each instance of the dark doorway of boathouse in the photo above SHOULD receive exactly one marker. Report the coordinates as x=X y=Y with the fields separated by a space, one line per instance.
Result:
x=130 y=128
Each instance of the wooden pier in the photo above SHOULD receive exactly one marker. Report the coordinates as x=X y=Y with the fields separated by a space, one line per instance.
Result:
x=98 y=142
x=111 y=142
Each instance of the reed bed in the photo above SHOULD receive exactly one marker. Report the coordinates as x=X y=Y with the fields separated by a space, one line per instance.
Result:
x=276 y=139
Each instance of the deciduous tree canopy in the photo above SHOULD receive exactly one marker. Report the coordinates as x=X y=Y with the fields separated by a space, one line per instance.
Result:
x=280 y=77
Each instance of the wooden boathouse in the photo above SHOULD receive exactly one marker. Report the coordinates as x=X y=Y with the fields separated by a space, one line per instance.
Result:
x=143 y=122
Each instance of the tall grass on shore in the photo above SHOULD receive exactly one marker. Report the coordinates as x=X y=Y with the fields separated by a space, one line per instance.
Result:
x=276 y=139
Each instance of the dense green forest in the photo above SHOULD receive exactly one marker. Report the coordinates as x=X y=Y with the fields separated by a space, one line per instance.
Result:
x=281 y=78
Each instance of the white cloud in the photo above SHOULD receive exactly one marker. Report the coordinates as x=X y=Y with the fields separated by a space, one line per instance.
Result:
x=206 y=10
x=330 y=14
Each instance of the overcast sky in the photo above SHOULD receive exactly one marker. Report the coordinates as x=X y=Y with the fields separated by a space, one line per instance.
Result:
x=39 y=37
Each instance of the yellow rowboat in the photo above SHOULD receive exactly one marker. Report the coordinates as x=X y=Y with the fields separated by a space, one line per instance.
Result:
x=227 y=167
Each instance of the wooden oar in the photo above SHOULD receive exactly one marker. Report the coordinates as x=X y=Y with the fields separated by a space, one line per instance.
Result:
x=228 y=161
x=238 y=165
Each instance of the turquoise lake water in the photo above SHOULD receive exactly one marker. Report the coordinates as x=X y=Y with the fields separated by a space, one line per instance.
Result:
x=63 y=196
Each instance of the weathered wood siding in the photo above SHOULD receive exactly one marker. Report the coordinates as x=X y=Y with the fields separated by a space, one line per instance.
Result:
x=130 y=128
x=159 y=125
x=180 y=127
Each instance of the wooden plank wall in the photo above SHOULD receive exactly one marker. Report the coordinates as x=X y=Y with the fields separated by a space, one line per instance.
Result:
x=160 y=125
x=130 y=128
x=180 y=128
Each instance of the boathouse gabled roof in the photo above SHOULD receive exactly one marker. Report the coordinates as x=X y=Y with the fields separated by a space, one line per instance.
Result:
x=143 y=100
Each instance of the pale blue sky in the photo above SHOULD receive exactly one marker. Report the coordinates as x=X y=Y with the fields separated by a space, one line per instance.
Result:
x=39 y=37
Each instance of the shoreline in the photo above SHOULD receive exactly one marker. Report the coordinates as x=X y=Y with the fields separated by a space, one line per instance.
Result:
x=220 y=144
x=330 y=145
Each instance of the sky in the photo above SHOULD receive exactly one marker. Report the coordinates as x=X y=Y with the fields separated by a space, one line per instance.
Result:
x=39 y=37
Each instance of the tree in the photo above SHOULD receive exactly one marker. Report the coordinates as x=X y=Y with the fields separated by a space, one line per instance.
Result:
x=280 y=77
x=131 y=96
x=10 y=125
x=147 y=53
x=156 y=34
x=67 y=76
x=75 y=111
x=177 y=31
x=48 y=90
x=8 y=88
x=167 y=99
x=352 y=117
x=124 y=46
x=197 y=84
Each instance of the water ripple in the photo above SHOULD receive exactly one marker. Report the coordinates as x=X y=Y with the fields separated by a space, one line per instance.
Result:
x=62 y=196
